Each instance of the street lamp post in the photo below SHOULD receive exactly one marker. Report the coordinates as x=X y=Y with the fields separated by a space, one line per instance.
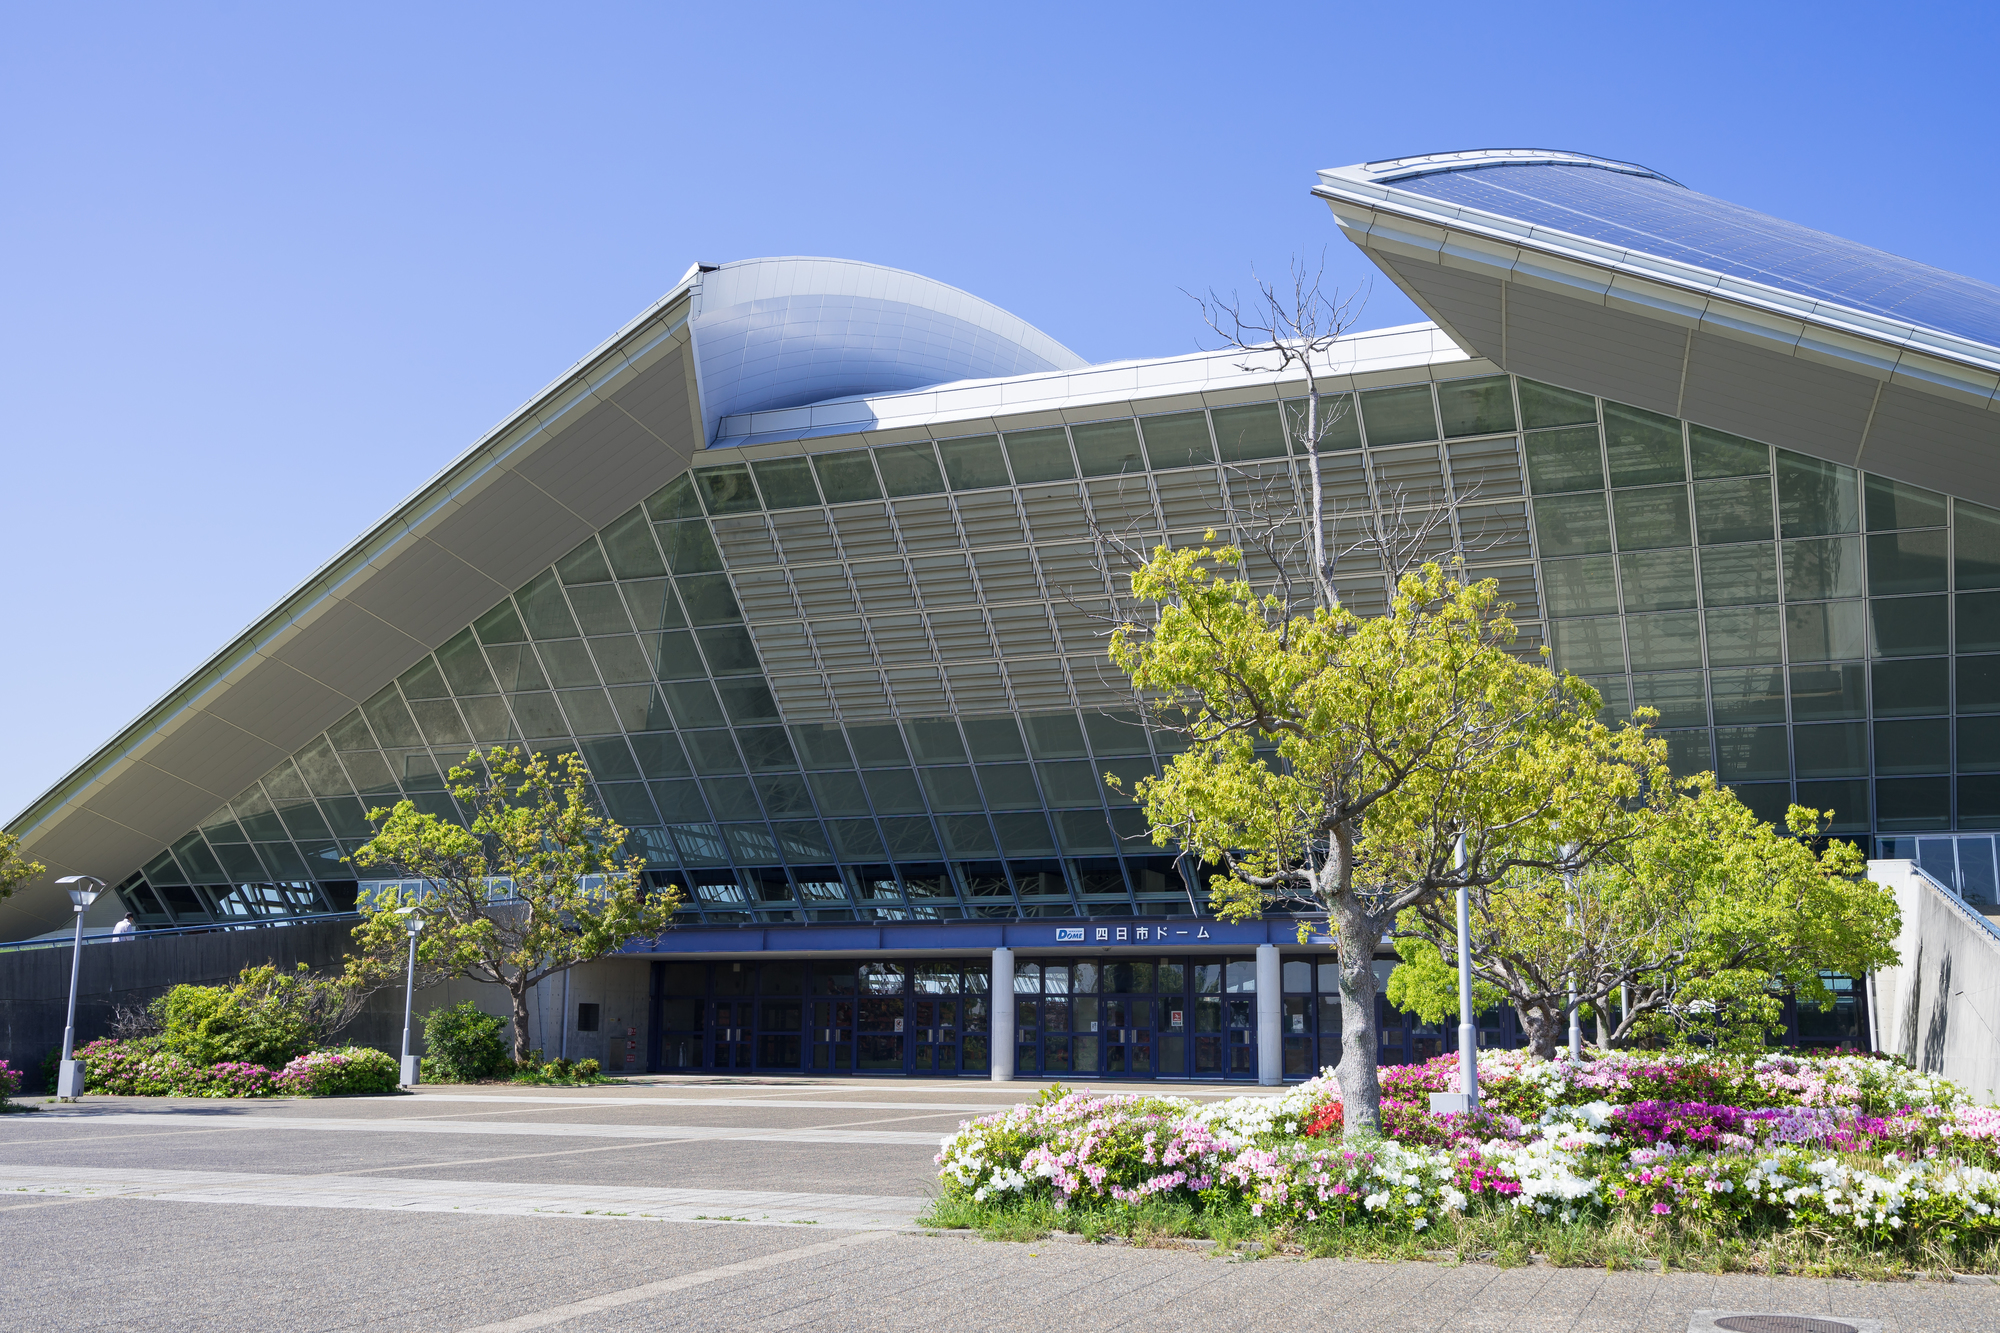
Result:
x=83 y=891
x=414 y=921
x=1467 y=1099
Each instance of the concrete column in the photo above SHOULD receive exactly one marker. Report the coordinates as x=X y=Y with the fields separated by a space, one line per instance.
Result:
x=1270 y=1016
x=1003 y=1015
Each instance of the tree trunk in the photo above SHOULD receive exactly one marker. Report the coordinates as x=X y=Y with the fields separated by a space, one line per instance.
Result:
x=1360 y=1089
x=519 y=994
x=1539 y=1022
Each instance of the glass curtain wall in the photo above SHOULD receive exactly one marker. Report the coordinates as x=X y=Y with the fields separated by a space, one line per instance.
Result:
x=871 y=684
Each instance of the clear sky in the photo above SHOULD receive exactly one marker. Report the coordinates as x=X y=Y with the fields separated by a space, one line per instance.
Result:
x=264 y=269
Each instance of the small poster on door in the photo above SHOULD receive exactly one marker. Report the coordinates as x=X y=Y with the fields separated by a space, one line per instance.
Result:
x=899 y=1025
x=1174 y=1018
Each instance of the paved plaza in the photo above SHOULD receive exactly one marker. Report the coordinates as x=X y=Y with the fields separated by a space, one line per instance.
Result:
x=688 y=1204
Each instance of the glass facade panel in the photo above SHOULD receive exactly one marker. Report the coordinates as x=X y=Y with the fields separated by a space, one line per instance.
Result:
x=1658 y=580
x=1390 y=416
x=1040 y=455
x=1822 y=569
x=1718 y=454
x=1744 y=635
x=1477 y=407
x=1908 y=626
x=1739 y=575
x=1744 y=754
x=786 y=483
x=1911 y=687
x=1754 y=695
x=1176 y=440
x=1894 y=504
x=1642 y=447
x=1821 y=693
x=1975 y=545
x=1906 y=562
x=1825 y=631
x=1678 y=697
x=1107 y=448
x=1816 y=498
x=1546 y=405
x=1565 y=460
x=1573 y=524
x=1735 y=510
x=1586 y=587
x=1252 y=431
x=1664 y=642
x=1832 y=749
x=1652 y=517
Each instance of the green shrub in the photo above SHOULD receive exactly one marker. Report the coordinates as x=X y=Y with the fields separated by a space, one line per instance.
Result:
x=268 y=1017
x=465 y=1044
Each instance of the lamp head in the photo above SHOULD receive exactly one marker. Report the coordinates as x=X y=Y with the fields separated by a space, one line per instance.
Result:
x=83 y=889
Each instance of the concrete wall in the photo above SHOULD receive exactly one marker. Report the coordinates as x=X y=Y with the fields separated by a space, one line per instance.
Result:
x=1940 y=1006
x=34 y=992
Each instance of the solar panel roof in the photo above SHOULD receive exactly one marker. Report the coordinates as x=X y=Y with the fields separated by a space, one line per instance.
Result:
x=1623 y=206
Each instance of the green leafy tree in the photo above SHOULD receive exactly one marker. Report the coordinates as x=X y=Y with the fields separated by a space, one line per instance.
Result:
x=538 y=882
x=1690 y=931
x=16 y=869
x=1333 y=761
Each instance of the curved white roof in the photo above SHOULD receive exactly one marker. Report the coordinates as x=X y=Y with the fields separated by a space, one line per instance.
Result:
x=784 y=332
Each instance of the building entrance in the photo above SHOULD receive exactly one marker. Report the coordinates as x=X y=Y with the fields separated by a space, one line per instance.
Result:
x=789 y=1016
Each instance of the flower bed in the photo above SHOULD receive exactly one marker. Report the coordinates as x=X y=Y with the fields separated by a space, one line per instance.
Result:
x=144 y=1068
x=1782 y=1162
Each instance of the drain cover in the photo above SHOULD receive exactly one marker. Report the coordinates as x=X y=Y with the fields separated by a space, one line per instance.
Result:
x=1782 y=1323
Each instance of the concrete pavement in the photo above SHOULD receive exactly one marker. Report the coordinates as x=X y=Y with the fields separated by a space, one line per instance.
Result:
x=695 y=1204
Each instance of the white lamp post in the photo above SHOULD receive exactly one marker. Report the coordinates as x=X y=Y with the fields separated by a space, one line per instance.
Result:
x=83 y=891
x=1467 y=1099
x=414 y=921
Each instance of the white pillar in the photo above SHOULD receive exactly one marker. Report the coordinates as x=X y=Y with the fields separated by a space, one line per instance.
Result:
x=1003 y=1015
x=1270 y=1017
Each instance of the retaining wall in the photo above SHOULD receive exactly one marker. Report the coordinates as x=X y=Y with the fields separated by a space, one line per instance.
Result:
x=1940 y=1006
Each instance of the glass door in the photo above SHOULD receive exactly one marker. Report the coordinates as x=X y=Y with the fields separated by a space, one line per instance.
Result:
x=935 y=1018
x=1128 y=1034
x=833 y=1035
x=778 y=1032
x=880 y=1014
x=731 y=1024
x=680 y=1004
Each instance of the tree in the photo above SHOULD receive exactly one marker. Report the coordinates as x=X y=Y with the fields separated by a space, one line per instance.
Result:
x=1697 y=924
x=16 y=869
x=1333 y=762
x=537 y=883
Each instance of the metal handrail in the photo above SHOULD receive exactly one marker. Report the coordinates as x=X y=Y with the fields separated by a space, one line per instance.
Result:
x=154 y=932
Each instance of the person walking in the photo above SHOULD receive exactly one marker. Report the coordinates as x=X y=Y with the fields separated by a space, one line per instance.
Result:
x=125 y=928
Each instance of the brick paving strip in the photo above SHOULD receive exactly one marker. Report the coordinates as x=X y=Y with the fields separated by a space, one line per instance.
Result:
x=757 y=1208
x=518 y=1128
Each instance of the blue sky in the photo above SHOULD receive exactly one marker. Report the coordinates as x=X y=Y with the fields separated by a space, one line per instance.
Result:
x=267 y=268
